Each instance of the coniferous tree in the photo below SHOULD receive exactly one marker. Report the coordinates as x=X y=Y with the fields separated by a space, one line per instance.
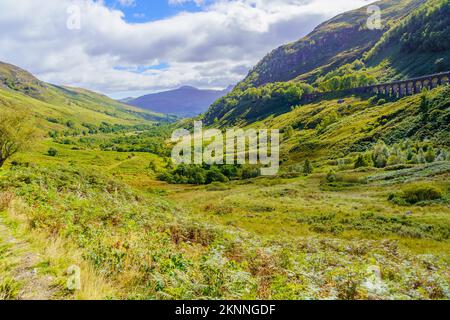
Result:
x=307 y=168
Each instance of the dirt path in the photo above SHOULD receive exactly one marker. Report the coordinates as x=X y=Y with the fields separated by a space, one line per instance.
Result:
x=33 y=286
x=118 y=164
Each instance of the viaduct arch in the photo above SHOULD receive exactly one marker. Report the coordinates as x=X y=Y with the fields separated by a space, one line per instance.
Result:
x=396 y=89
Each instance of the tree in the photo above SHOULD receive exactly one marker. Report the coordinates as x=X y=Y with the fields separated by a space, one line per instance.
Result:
x=361 y=162
x=424 y=102
x=249 y=172
x=430 y=155
x=153 y=166
x=307 y=168
x=289 y=132
x=380 y=154
x=16 y=133
x=214 y=175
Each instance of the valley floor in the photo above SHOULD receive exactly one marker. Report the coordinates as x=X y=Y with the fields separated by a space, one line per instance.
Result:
x=264 y=238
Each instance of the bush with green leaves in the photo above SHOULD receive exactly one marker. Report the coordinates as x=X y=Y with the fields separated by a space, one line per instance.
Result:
x=52 y=152
x=380 y=154
x=307 y=168
x=217 y=186
x=206 y=174
x=348 y=76
x=405 y=152
x=362 y=161
x=16 y=133
x=417 y=193
x=331 y=176
x=252 y=104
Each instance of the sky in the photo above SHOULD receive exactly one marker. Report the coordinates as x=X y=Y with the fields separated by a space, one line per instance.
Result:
x=128 y=48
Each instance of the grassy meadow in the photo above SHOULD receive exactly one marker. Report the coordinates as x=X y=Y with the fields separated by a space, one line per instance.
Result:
x=338 y=233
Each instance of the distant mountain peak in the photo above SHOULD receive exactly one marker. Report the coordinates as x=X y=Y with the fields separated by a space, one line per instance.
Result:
x=186 y=101
x=188 y=88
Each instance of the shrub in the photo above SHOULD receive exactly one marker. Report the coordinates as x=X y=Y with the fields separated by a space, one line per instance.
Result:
x=153 y=166
x=289 y=132
x=192 y=233
x=52 y=152
x=195 y=174
x=394 y=160
x=424 y=102
x=217 y=186
x=70 y=124
x=430 y=155
x=373 y=101
x=214 y=175
x=381 y=102
x=380 y=155
x=249 y=172
x=307 y=168
x=331 y=176
x=417 y=193
x=361 y=162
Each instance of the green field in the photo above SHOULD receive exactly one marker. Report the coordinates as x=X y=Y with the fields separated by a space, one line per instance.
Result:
x=264 y=238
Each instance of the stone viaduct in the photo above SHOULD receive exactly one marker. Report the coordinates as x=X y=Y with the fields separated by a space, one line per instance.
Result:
x=396 y=89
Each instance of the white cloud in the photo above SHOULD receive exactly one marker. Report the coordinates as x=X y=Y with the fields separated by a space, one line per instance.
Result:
x=178 y=2
x=211 y=48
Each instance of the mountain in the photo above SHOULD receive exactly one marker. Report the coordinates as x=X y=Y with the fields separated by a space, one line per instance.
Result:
x=126 y=100
x=183 y=102
x=416 y=45
x=336 y=42
x=339 y=54
x=56 y=106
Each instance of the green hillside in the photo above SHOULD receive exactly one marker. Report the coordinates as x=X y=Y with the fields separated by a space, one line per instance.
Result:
x=412 y=43
x=339 y=128
x=63 y=107
x=416 y=45
x=336 y=42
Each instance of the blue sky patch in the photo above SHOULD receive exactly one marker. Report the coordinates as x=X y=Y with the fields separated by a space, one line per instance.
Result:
x=142 y=69
x=151 y=10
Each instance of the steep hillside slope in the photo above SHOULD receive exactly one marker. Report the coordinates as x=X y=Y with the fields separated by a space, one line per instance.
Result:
x=336 y=128
x=59 y=106
x=416 y=45
x=332 y=44
x=342 y=54
x=184 y=102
